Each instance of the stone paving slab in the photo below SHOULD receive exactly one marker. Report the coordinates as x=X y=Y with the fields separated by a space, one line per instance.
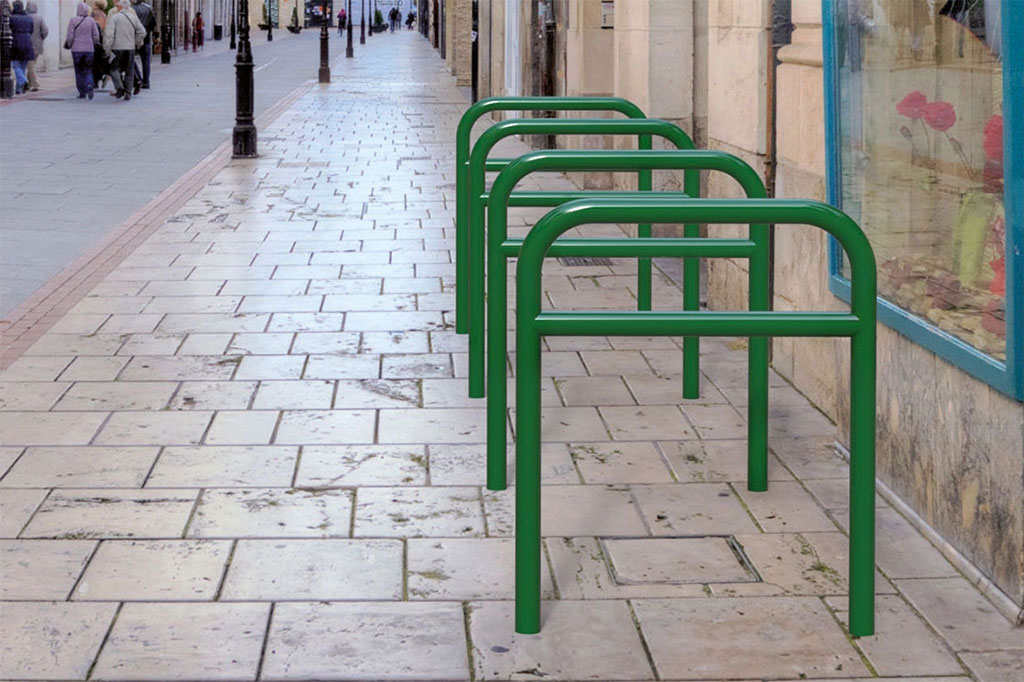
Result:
x=247 y=453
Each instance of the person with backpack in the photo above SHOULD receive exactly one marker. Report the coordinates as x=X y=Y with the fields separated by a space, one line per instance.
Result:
x=144 y=11
x=81 y=38
x=124 y=35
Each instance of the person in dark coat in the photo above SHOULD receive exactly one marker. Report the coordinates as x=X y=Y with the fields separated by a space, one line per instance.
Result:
x=100 y=62
x=144 y=11
x=21 y=52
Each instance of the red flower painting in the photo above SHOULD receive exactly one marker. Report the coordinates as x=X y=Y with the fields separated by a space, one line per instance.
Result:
x=939 y=115
x=993 y=142
x=911 y=106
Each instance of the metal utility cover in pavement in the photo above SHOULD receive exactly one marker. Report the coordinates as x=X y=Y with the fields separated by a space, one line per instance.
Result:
x=582 y=261
x=677 y=561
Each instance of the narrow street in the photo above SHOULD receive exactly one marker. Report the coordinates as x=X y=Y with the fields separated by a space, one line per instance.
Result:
x=248 y=454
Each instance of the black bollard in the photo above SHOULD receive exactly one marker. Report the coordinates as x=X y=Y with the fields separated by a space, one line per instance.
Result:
x=243 y=137
x=348 y=48
x=6 y=47
x=233 y=45
x=325 y=54
x=165 y=33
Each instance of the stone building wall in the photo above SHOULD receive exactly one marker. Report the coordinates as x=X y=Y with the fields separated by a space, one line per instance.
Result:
x=484 y=38
x=654 y=68
x=737 y=49
x=461 y=41
x=448 y=17
x=497 y=42
x=432 y=19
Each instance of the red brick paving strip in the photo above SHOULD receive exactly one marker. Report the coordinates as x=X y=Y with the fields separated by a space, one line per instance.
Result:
x=30 y=320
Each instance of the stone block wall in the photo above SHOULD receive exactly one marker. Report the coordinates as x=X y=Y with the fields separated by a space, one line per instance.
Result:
x=801 y=253
x=737 y=76
x=654 y=68
x=484 y=27
x=589 y=72
x=461 y=41
x=448 y=16
x=458 y=18
x=431 y=20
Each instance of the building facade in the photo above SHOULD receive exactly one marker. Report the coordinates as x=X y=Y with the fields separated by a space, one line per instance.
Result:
x=894 y=110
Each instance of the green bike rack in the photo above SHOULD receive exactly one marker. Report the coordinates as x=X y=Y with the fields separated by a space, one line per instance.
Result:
x=462 y=145
x=858 y=325
x=500 y=248
x=644 y=128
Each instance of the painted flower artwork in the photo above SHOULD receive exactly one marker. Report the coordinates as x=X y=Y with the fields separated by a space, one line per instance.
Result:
x=911 y=105
x=939 y=115
x=975 y=286
x=993 y=140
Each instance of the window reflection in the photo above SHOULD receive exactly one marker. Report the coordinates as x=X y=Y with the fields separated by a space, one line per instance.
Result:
x=921 y=150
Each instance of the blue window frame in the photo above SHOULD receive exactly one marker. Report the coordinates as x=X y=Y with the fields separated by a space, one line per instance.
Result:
x=1003 y=371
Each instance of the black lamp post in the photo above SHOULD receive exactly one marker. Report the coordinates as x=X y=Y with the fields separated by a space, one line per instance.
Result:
x=6 y=47
x=165 y=33
x=348 y=48
x=325 y=55
x=243 y=137
x=362 y=22
x=234 y=13
x=270 y=21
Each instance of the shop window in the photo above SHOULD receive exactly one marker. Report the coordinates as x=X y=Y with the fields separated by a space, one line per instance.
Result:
x=920 y=104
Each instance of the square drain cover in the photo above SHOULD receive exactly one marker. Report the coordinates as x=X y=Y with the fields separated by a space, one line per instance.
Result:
x=677 y=561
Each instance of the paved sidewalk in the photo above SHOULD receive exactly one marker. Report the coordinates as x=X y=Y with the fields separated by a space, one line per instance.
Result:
x=248 y=454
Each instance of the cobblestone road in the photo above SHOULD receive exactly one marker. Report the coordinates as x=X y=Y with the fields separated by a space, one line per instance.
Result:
x=248 y=454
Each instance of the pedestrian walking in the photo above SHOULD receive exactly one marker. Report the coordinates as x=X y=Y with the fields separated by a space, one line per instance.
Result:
x=144 y=11
x=410 y=20
x=393 y=17
x=21 y=50
x=342 y=18
x=39 y=32
x=82 y=36
x=197 y=31
x=124 y=34
x=99 y=55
